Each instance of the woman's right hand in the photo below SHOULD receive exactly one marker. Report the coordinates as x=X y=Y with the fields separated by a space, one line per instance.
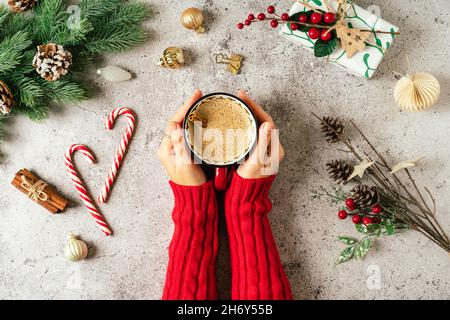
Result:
x=173 y=152
x=266 y=156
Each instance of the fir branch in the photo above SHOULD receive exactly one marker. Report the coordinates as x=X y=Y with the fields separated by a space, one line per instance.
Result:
x=63 y=91
x=97 y=8
x=4 y=13
x=28 y=91
x=49 y=17
x=115 y=40
x=131 y=13
x=12 y=51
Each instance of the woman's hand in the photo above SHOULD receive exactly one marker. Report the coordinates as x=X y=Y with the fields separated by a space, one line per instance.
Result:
x=268 y=153
x=173 y=152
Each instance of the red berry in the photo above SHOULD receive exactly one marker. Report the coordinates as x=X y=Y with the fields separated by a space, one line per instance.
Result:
x=240 y=25
x=247 y=22
x=261 y=16
x=325 y=35
x=356 y=219
x=314 y=33
x=251 y=16
x=274 y=23
x=367 y=220
x=329 y=18
x=342 y=214
x=316 y=18
x=294 y=26
x=285 y=17
x=350 y=203
x=303 y=18
x=270 y=9
x=376 y=209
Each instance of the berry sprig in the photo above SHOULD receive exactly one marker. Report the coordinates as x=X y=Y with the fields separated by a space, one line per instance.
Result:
x=315 y=23
x=366 y=216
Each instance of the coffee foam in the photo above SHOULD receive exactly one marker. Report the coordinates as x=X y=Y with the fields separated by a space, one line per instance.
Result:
x=228 y=134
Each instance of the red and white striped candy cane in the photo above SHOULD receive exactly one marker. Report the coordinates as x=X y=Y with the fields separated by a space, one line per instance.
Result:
x=68 y=161
x=124 y=142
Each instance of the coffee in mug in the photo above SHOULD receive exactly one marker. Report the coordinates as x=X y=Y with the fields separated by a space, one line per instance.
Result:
x=220 y=129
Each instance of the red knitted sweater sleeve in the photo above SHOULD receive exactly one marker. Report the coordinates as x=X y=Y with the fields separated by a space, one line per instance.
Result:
x=256 y=269
x=193 y=249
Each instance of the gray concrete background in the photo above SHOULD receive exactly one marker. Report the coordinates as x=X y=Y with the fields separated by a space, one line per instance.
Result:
x=289 y=83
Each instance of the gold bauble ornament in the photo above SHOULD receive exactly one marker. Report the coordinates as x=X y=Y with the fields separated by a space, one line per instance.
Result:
x=172 y=58
x=417 y=92
x=192 y=19
x=75 y=249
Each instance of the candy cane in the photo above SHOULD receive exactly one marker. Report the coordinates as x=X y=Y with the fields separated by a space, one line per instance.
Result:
x=68 y=161
x=118 y=159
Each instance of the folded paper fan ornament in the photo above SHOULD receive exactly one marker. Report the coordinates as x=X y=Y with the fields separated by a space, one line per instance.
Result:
x=417 y=92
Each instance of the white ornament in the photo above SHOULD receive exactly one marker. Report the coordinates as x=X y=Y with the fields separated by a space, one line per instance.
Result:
x=405 y=165
x=75 y=249
x=114 y=74
x=360 y=169
x=417 y=92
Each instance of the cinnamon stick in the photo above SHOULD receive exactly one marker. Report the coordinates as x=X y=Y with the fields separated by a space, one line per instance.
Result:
x=54 y=202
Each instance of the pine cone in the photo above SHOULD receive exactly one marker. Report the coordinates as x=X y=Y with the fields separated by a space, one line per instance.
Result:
x=21 y=5
x=52 y=61
x=330 y=123
x=339 y=170
x=365 y=196
x=6 y=99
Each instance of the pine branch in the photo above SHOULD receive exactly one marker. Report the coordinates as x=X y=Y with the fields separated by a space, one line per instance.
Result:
x=11 y=51
x=132 y=13
x=4 y=13
x=49 y=17
x=115 y=40
x=97 y=8
x=63 y=91
x=28 y=91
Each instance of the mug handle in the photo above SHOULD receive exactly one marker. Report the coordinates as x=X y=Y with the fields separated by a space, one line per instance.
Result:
x=221 y=178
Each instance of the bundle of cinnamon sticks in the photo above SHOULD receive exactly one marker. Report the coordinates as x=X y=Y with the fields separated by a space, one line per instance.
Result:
x=39 y=191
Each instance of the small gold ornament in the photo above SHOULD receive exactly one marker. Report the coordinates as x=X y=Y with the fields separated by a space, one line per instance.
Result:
x=192 y=19
x=75 y=249
x=6 y=99
x=172 y=58
x=233 y=62
x=417 y=92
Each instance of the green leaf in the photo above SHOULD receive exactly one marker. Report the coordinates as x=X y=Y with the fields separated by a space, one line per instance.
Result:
x=361 y=228
x=362 y=248
x=346 y=255
x=366 y=59
x=317 y=2
x=379 y=43
x=347 y=240
x=324 y=48
x=365 y=243
x=389 y=227
x=373 y=227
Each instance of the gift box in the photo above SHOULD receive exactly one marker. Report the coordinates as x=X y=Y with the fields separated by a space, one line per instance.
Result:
x=363 y=63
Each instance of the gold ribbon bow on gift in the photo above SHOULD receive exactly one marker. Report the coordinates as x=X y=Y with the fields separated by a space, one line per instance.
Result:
x=353 y=40
x=35 y=190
